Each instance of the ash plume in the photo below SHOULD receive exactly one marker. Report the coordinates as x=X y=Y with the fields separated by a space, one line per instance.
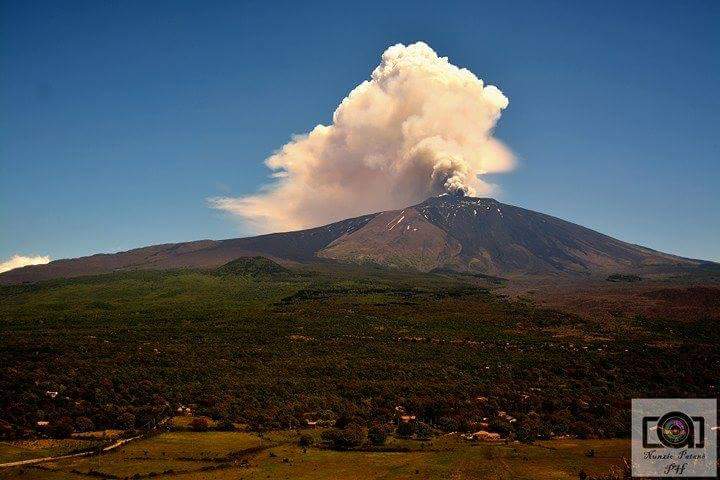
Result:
x=420 y=126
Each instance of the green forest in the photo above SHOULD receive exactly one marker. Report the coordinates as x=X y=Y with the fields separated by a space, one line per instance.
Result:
x=271 y=348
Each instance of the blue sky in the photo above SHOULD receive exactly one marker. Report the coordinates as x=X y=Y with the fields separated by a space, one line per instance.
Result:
x=118 y=119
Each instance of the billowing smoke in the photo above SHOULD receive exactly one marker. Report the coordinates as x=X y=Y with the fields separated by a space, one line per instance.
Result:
x=419 y=127
x=17 y=261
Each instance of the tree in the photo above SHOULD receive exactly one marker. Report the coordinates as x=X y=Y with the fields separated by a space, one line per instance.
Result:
x=422 y=430
x=377 y=435
x=342 y=421
x=530 y=428
x=62 y=428
x=344 y=439
x=126 y=421
x=406 y=429
x=84 y=424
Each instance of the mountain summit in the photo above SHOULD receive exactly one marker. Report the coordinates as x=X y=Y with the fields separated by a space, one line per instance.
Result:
x=484 y=235
x=446 y=232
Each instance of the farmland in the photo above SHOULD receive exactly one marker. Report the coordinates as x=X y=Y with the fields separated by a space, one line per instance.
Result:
x=234 y=455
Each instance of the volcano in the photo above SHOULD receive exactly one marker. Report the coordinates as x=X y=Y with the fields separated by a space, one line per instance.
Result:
x=448 y=232
x=486 y=236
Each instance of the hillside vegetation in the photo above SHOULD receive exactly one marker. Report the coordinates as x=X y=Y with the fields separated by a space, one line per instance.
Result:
x=126 y=350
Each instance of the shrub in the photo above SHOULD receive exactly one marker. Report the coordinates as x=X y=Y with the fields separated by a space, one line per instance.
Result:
x=501 y=426
x=305 y=440
x=422 y=430
x=226 y=426
x=349 y=437
x=331 y=437
x=583 y=430
x=449 y=424
x=199 y=425
x=377 y=435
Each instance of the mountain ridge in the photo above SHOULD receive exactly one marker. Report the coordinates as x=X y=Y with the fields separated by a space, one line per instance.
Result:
x=452 y=232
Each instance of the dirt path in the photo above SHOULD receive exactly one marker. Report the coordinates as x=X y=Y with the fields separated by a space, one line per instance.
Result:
x=33 y=461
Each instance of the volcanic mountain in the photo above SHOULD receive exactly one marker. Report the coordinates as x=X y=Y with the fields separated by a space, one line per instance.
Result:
x=448 y=232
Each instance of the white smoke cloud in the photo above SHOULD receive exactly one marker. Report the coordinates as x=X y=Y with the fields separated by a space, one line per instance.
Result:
x=419 y=127
x=17 y=261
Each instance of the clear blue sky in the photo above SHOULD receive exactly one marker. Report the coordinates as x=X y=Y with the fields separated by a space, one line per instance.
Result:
x=118 y=118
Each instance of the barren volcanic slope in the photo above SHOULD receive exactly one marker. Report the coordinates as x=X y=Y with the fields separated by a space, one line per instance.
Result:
x=299 y=246
x=484 y=235
x=448 y=232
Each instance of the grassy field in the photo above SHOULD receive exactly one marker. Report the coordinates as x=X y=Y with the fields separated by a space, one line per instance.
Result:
x=14 y=451
x=238 y=455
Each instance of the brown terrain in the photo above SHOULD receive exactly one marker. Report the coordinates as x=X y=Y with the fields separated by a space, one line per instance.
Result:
x=688 y=297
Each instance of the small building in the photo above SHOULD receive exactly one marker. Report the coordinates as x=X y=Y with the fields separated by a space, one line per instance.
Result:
x=319 y=419
x=406 y=418
x=402 y=416
x=185 y=411
x=42 y=423
x=506 y=417
x=51 y=394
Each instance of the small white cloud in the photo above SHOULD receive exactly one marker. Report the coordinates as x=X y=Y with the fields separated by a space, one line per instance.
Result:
x=17 y=261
